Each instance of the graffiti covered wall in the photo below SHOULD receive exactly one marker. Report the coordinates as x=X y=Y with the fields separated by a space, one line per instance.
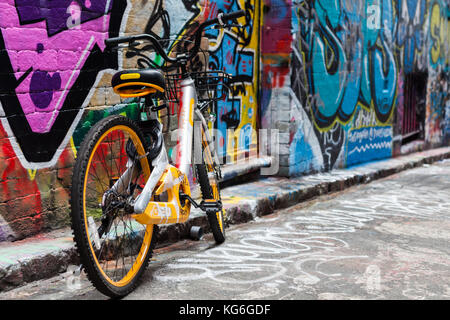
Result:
x=346 y=79
x=52 y=55
x=55 y=85
x=235 y=51
x=349 y=63
x=329 y=75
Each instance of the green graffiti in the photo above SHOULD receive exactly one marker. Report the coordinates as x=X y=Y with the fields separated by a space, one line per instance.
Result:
x=130 y=109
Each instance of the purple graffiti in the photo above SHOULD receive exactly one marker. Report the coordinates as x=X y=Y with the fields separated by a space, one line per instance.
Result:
x=42 y=87
x=57 y=13
x=48 y=43
x=40 y=48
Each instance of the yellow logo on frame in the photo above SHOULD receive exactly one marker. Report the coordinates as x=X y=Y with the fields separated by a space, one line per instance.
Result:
x=130 y=76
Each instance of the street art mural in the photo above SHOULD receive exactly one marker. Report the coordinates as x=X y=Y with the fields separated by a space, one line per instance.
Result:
x=328 y=74
x=54 y=83
x=345 y=70
x=46 y=78
x=349 y=60
x=438 y=29
x=235 y=51
x=51 y=56
x=437 y=86
x=410 y=33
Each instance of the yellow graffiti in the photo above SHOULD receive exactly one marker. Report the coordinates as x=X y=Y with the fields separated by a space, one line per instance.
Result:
x=249 y=105
x=233 y=200
x=438 y=34
x=32 y=173
x=247 y=127
x=74 y=149
x=351 y=119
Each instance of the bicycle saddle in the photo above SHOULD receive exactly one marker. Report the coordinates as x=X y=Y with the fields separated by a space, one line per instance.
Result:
x=138 y=83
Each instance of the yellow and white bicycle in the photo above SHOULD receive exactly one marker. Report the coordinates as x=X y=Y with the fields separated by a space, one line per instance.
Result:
x=123 y=184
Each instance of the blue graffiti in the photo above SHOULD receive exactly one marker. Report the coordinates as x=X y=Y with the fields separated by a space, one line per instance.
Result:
x=228 y=52
x=349 y=60
x=409 y=34
x=214 y=8
x=301 y=156
x=368 y=144
x=230 y=57
x=437 y=106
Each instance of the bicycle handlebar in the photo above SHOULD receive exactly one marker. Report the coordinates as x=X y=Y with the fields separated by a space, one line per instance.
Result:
x=221 y=18
x=130 y=39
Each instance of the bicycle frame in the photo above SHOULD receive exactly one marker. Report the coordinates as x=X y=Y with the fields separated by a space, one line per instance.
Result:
x=114 y=211
x=168 y=178
x=165 y=177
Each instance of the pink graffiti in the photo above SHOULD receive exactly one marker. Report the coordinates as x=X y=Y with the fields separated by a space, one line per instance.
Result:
x=48 y=67
x=75 y=11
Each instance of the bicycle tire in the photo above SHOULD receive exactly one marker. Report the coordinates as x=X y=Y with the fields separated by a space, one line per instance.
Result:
x=205 y=171
x=94 y=263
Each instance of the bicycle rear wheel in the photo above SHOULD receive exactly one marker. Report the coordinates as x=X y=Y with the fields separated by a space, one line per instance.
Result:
x=110 y=172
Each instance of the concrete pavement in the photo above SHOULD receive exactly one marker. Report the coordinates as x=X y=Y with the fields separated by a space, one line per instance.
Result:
x=49 y=255
x=384 y=240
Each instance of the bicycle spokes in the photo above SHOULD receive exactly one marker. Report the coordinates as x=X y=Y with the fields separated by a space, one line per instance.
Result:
x=114 y=178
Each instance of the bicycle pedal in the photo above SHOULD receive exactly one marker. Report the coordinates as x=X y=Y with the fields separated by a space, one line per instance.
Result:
x=210 y=206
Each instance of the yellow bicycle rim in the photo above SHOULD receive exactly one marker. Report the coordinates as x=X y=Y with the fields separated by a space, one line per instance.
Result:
x=149 y=229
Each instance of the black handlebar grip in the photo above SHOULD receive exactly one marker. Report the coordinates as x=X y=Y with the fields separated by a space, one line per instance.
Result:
x=109 y=42
x=233 y=15
x=115 y=41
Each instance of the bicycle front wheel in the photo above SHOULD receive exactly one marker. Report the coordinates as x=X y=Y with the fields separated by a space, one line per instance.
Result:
x=209 y=186
x=110 y=172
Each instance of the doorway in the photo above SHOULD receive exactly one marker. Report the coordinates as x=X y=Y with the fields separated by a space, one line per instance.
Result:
x=413 y=122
